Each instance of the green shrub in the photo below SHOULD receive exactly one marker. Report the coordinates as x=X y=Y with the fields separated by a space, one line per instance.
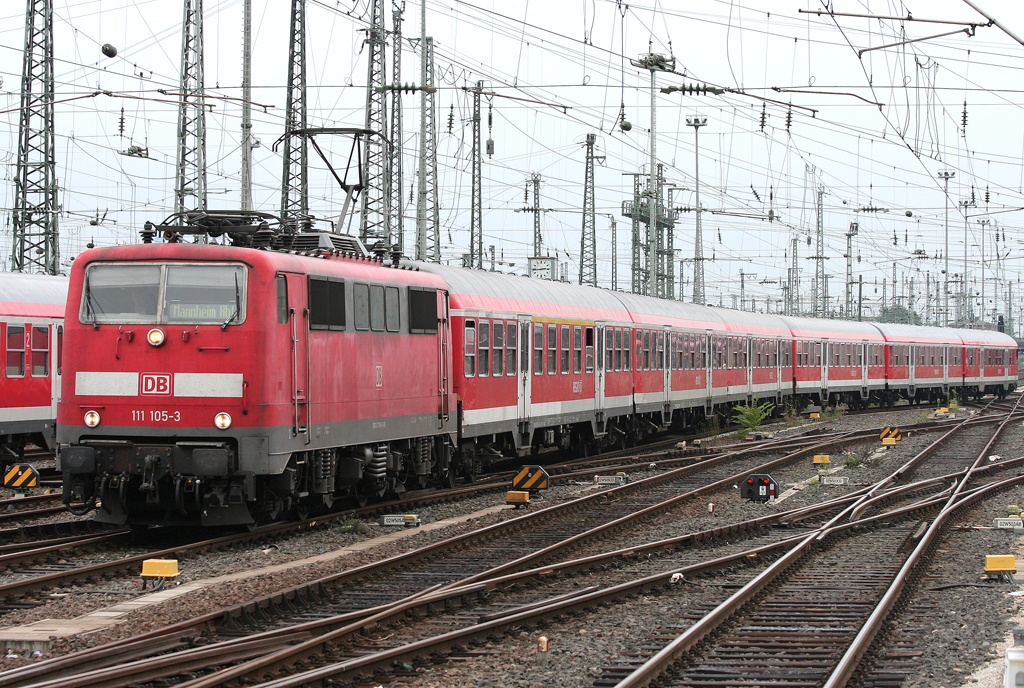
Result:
x=352 y=525
x=851 y=460
x=830 y=414
x=749 y=418
x=793 y=417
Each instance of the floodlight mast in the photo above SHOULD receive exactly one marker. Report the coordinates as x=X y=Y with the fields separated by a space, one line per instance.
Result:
x=946 y=175
x=697 y=121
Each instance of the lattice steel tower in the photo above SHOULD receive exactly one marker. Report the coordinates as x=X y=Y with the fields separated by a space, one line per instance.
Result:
x=476 y=228
x=588 y=237
x=246 y=107
x=393 y=180
x=190 y=188
x=35 y=246
x=374 y=221
x=427 y=214
x=294 y=181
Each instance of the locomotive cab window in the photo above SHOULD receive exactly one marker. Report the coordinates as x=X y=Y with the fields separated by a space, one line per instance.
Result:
x=282 y=299
x=168 y=293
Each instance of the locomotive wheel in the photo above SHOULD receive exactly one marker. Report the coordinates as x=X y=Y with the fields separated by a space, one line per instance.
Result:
x=360 y=495
x=322 y=503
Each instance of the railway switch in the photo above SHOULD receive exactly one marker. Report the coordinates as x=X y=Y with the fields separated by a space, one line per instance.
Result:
x=759 y=487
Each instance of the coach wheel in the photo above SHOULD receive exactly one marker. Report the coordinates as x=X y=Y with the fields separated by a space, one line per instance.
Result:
x=322 y=503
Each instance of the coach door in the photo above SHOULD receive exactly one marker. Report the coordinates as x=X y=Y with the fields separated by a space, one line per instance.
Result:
x=826 y=355
x=708 y=356
x=525 y=376
x=748 y=367
x=298 y=332
x=865 y=348
x=444 y=367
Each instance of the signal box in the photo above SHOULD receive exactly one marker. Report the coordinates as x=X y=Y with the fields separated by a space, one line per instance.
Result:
x=759 y=487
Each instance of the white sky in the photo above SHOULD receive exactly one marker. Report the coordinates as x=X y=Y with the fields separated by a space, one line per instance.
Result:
x=574 y=56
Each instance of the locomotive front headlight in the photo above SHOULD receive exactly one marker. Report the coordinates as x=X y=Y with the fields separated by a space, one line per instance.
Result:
x=222 y=421
x=92 y=418
x=155 y=336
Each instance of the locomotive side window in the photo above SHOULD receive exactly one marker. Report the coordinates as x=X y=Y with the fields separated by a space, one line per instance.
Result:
x=15 y=359
x=282 y=299
x=498 y=359
x=361 y=305
x=538 y=349
x=41 y=351
x=552 y=349
x=422 y=310
x=565 y=349
x=377 y=307
x=326 y=303
x=510 y=349
x=484 y=347
x=392 y=310
x=469 y=345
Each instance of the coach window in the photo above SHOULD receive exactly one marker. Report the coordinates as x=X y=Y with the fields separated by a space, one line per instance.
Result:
x=377 y=307
x=510 y=349
x=552 y=349
x=638 y=351
x=618 y=348
x=41 y=351
x=60 y=347
x=609 y=348
x=661 y=351
x=647 y=350
x=282 y=299
x=590 y=349
x=469 y=344
x=484 y=347
x=627 y=338
x=538 y=349
x=422 y=310
x=498 y=358
x=577 y=349
x=15 y=362
x=361 y=305
x=392 y=312
x=565 y=335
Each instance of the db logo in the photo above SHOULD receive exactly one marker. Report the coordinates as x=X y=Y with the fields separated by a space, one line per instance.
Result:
x=156 y=383
x=380 y=376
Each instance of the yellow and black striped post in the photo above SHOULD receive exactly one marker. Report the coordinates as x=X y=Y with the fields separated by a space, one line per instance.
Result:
x=890 y=435
x=21 y=475
x=530 y=478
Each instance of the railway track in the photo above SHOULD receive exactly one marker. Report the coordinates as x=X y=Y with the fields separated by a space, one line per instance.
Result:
x=245 y=615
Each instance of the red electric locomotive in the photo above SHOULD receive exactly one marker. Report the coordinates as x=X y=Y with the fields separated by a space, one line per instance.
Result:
x=219 y=385
x=31 y=337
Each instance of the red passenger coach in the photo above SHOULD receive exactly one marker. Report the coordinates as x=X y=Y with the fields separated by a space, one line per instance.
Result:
x=31 y=338
x=217 y=385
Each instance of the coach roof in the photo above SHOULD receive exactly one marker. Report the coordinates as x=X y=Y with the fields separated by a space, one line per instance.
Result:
x=32 y=295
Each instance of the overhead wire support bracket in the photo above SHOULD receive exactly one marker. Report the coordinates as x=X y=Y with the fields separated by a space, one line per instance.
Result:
x=909 y=17
x=970 y=31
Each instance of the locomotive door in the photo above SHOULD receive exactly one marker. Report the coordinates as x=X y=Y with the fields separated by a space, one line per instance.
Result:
x=298 y=332
x=525 y=387
x=444 y=367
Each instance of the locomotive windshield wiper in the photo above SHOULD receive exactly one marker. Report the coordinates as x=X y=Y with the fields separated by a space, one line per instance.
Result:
x=238 y=305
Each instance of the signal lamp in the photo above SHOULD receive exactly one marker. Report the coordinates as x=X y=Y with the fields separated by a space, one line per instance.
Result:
x=222 y=421
x=155 y=336
x=92 y=418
